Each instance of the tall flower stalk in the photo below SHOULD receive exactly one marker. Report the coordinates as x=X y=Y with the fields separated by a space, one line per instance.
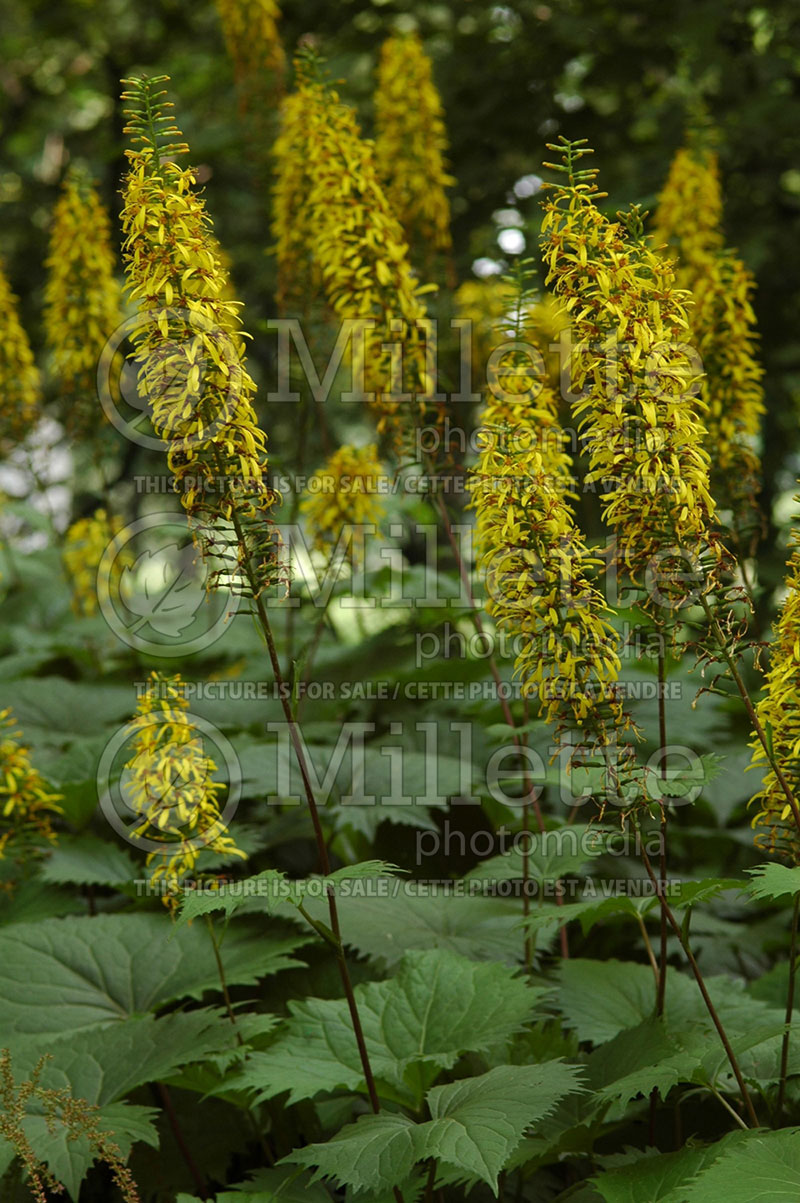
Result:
x=728 y=344
x=640 y=416
x=25 y=1100
x=539 y=572
x=334 y=224
x=191 y=352
x=637 y=382
x=688 y=226
x=82 y=299
x=215 y=448
x=540 y=575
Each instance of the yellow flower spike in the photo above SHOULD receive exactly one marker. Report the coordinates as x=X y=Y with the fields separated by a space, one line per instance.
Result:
x=191 y=352
x=25 y=799
x=168 y=782
x=84 y=545
x=688 y=222
x=636 y=382
x=254 y=45
x=82 y=299
x=20 y=386
x=345 y=229
x=537 y=567
x=411 y=142
x=779 y=715
x=345 y=493
x=723 y=325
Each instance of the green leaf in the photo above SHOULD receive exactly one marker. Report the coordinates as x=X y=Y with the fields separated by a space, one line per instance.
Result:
x=758 y=1051
x=588 y=912
x=372 y=869
x=760 y=1167
x=773 y=881
x=652 y=1179
x=267 y=891
x=87 y=860
x=103 y=1065
x=260 y=771
x=640 y=1060
x=73 y=772
x=161 y=590
x=386 y=923
x=602 y=998
x=478 y=1122
x=426 y=789
x=772 y=987
x=684 y=1047
x=377 y=1151
x=55 y=704
x=438 y=1006
x=677 y=782
x=32 y=900
x=129 y=1123
x=475 y=1126
x=67 y=975
x=688 y=893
